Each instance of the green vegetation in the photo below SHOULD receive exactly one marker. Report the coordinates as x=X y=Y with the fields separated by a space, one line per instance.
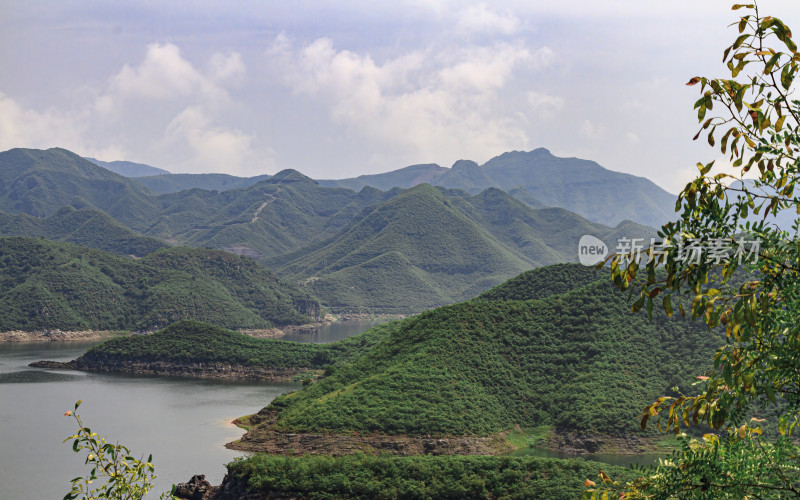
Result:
x=128 y=168
x=172 y=183
x=758 y=368
x=391 y=252
x=195 y=342
x=575 y=361
x=40 y=183
x=90 y=228
x=541 y=179
x=48 y=285
x=427 y=247
x=386 y=477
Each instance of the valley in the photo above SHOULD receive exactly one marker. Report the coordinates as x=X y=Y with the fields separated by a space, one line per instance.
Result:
x=500 y=341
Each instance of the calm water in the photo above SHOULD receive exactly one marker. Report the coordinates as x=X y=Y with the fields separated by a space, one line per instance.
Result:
x=623 y=460
x=184 y=423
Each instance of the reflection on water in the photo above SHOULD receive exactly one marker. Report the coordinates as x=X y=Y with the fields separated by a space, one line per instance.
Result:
x=184 y=423
x=34 y=377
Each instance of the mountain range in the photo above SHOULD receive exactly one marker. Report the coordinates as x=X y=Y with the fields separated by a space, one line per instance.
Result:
x=395 y=250
x=538 y=178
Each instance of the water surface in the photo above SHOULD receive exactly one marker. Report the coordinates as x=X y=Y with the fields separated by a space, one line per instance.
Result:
x=184 y=423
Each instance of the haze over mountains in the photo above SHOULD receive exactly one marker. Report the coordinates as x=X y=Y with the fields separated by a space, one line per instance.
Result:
x=537 y=178
x=398 y=249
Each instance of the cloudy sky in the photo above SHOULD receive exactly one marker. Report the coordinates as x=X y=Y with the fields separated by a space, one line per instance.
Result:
x=338 y=89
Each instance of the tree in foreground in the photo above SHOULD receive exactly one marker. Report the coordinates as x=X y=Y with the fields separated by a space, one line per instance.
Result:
x=117 y=473
x=727 y=262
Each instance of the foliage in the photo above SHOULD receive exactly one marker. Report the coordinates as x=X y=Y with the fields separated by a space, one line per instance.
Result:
x=758 y=369
x=123 y=476
x=196 y=342
x=173 y=183
x=89 y=228
x=484 y=366
x=422 y=476
x=47 y=285
x=427 y=247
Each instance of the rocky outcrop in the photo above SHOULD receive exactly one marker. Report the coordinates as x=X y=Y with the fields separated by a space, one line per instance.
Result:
x=575 y=443
x=264 y=436
x=232 y=488
x=54 y=336
x=197 y=370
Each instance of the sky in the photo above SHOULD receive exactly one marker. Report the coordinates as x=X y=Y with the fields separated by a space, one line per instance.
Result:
x=340 y=89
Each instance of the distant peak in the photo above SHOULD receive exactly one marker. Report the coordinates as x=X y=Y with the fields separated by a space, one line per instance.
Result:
x=289 y=175
x=464 y=165
x=541 y=151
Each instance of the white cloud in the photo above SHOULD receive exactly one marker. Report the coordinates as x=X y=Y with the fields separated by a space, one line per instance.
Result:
x=163 y=110
x=164 y=74
x=421 y=105
x=591 y=130
x=483 y=19
x=544 y=103
x=212 y=148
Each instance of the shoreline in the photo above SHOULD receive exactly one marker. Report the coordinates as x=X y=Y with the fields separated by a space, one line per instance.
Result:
x=41 y=336
x=56 y=335
x=263 y=436
x=218 y=371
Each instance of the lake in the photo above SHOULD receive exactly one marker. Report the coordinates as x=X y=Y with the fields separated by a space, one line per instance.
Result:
x=184 y=423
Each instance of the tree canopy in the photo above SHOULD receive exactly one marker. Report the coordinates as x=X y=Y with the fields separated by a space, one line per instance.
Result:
x=728 y=262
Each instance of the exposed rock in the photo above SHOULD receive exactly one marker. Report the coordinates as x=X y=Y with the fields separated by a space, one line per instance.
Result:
x=263 y=436
x=574 y=443
x=54 y=336
x=194 y=370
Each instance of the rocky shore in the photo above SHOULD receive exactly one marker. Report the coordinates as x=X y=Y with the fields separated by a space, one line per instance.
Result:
x=196 y=370
x=263 y=436
x=56 y=336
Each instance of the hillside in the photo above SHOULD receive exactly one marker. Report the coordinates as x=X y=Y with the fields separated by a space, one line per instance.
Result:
x=555 y=347
x=541 y=179
x=428 y=247
x=486 y=365
x=40 y=182
x=404 y=178
x=87 y=227
x=172 y=183
x=129 y=168
x=47 y=285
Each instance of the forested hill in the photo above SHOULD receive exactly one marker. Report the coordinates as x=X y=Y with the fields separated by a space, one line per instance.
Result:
x=47 y=285
x=540 y=178
x=87 y=227
x=427 y=247
x=577 y=360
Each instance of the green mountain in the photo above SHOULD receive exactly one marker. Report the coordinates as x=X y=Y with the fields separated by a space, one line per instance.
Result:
x=540 y=179
x=87 y=227
x=405 y=178
x=522 y=355
x=583 y=187
x=556 y=347
x=427 y=247
x=49 y=285
x=129 y=168
x=172 y=183
x=40 y=182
